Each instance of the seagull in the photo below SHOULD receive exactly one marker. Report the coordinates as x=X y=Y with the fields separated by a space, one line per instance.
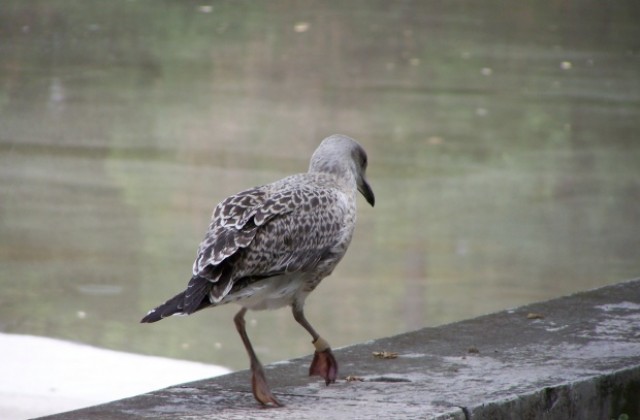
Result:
x=270 y=246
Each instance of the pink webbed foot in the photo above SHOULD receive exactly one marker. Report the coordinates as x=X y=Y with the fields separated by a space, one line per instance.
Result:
x=261 y=391
x=324 y=365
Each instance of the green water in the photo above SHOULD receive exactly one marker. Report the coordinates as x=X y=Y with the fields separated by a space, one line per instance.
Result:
x=503 y=146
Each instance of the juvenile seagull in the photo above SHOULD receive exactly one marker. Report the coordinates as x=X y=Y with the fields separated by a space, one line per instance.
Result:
x=270 y=246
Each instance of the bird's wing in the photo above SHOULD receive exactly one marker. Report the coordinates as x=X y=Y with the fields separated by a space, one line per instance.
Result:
x=267 y=231
x=234 y=224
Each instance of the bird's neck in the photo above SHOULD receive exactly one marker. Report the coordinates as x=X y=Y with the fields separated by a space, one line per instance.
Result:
x=342 y=175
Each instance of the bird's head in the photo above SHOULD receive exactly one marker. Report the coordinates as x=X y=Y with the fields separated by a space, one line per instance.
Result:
x=341 y=155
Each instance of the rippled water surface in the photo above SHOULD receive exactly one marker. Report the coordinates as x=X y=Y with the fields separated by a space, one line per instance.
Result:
x=503 y=145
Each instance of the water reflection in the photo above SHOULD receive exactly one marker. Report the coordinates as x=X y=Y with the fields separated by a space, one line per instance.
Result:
x=502 y=149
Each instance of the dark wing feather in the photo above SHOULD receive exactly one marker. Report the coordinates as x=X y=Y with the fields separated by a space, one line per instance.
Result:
x=231 y=228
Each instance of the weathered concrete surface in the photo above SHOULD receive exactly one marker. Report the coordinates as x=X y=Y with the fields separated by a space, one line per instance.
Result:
x=576 y=357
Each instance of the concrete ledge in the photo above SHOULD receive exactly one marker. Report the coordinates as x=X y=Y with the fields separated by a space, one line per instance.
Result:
x=576 y=357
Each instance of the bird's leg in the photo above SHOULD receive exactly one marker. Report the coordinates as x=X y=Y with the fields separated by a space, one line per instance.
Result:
x=259 y=384
x=324 y=363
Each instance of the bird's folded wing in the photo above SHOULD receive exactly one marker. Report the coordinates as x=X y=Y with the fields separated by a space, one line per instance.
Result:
x=270 y=230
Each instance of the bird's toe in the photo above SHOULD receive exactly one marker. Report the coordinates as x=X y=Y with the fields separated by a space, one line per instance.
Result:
x=261 y=391
x=324 y=364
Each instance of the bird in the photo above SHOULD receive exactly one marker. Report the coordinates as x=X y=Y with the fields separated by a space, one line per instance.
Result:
x=269 y=246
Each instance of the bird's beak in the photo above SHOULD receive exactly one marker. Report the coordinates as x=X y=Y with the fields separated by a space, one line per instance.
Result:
x=366 y=192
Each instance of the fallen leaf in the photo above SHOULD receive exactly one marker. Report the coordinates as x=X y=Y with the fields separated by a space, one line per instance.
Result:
x=534 y=315
x=385 y=354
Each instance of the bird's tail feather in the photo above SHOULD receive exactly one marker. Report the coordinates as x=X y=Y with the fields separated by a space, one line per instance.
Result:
x=184 y=303
x=171 y=307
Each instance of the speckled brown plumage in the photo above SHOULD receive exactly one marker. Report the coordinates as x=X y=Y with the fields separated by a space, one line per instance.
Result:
x=270 y=246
